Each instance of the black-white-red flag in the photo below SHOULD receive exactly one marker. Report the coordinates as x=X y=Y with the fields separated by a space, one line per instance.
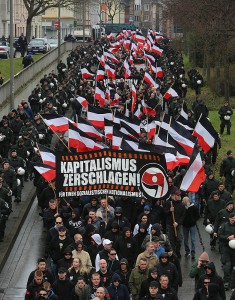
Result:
x=46 y=171
x=205 y=133
x=47 y=155
x=97 y=115
x=88 y=128
x=195 y=174
x=55 y=122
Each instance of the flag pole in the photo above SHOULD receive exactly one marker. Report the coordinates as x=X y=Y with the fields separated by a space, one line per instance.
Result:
x=156 y=72
x=105 y=139
x=147 y=126
x=197 y=123
x=132 y=99
x=168 y=130
x=106 y=209
x=173 y=218
x=38 y=149
x=159 y=127
x=54 y=189
x=57 y=202
x=126 y=113
x=96 y=81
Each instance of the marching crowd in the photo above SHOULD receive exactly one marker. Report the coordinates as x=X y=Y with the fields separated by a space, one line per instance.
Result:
x=119 y=247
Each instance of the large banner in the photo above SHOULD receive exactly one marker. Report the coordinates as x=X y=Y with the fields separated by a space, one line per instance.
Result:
x=112 y=172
